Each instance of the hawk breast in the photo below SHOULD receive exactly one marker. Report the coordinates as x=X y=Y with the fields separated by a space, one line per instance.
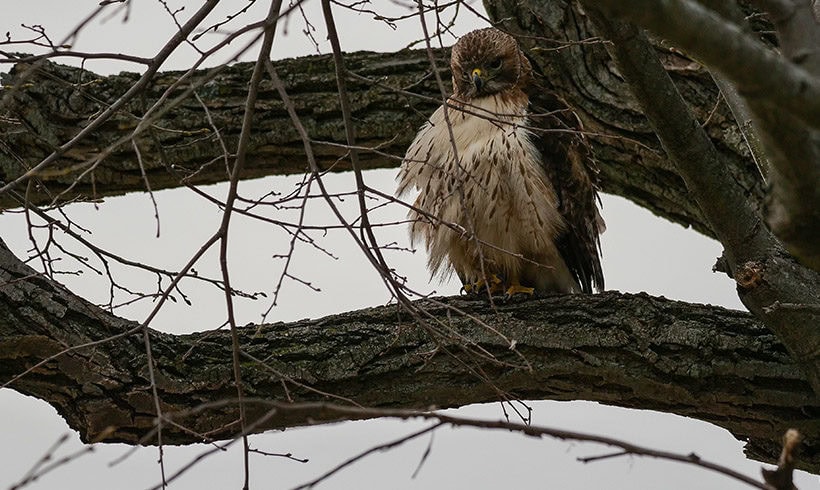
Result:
x=496 y=192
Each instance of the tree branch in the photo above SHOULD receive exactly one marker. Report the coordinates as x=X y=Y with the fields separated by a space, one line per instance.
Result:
x=793 y=212
x=781 y=477
x=440 y=419
x=157 y=61
x=758 y=71
x=567 y=48
x=630 y=350
x=783 y=95
x=389 y=104
x=798 y=31
x=723 y=202
x=723 y=365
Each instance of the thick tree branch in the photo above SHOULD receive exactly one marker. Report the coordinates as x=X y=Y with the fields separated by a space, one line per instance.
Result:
x=758 y=71
x=567 y=48
x=793 y=212
x=635 y=351
x=724 y=204
x=783 y=94
x=183 y=146
x=631 y=350
x=731 y=12
x=798 y=31
x=145 y=79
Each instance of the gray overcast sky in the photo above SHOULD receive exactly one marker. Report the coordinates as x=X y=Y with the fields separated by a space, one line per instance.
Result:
x=641 y=253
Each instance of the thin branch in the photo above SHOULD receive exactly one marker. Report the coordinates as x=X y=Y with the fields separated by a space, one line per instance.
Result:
x=48 y=462
x=373 y=251
x=242 y=148
x=16 y=58
x=441 y=419
x=353 y=459
x=289 y=456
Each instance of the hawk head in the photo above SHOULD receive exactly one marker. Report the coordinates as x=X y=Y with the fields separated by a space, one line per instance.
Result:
x=487 y=62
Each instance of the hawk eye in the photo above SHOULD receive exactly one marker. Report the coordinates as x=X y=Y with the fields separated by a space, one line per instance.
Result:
x=495 y=64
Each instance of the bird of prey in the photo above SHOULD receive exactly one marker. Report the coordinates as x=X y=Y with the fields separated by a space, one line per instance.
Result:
x=511 y=208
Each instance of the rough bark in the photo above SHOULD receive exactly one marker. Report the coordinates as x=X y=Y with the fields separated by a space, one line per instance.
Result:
x=574 y=59
x=706 y=362
x=723 y=203
x=783 y=93
x=59 y=101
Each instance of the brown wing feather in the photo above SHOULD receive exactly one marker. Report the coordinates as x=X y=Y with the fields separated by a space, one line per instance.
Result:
x=571 y=168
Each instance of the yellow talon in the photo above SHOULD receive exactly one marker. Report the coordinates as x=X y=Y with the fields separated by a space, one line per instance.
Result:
x=493 y=283
x=519 y=289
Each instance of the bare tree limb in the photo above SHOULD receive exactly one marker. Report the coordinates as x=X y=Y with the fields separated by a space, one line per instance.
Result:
x=798 y=31
x=792 y=209
x=144 y=80
x=113 y=384
x=614 y=348
x=783 y=94
x=185 y=146
x=230 y=200
x=440 y=419
x=758 y=71
x=731 y=12
x=723 y=202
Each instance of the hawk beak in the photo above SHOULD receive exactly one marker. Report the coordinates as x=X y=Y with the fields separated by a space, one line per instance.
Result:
x=477 y=80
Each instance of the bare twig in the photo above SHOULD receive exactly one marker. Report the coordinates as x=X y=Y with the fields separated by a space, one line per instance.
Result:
x=381 y=447
x=441 y=419
x=244 y=139
x=48 y=463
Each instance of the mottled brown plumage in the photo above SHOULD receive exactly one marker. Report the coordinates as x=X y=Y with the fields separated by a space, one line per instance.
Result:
x=499 y=204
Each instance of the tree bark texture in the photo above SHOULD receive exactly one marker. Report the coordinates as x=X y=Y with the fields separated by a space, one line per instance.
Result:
x=711 y=174
x=706 y=362
x=724 y=204
x=54 y=106
x=782 y=91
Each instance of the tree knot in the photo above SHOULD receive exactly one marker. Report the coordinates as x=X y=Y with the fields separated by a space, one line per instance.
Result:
x=749 y=275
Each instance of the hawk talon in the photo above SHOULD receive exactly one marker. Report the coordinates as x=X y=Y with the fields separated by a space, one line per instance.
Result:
x=519 y=289
x=493 y=284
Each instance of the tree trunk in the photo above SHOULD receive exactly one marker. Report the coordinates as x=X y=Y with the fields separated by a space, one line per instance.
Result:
x=706 y=362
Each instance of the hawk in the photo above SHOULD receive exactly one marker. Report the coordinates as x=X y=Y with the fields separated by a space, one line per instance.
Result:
x=509 y=208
